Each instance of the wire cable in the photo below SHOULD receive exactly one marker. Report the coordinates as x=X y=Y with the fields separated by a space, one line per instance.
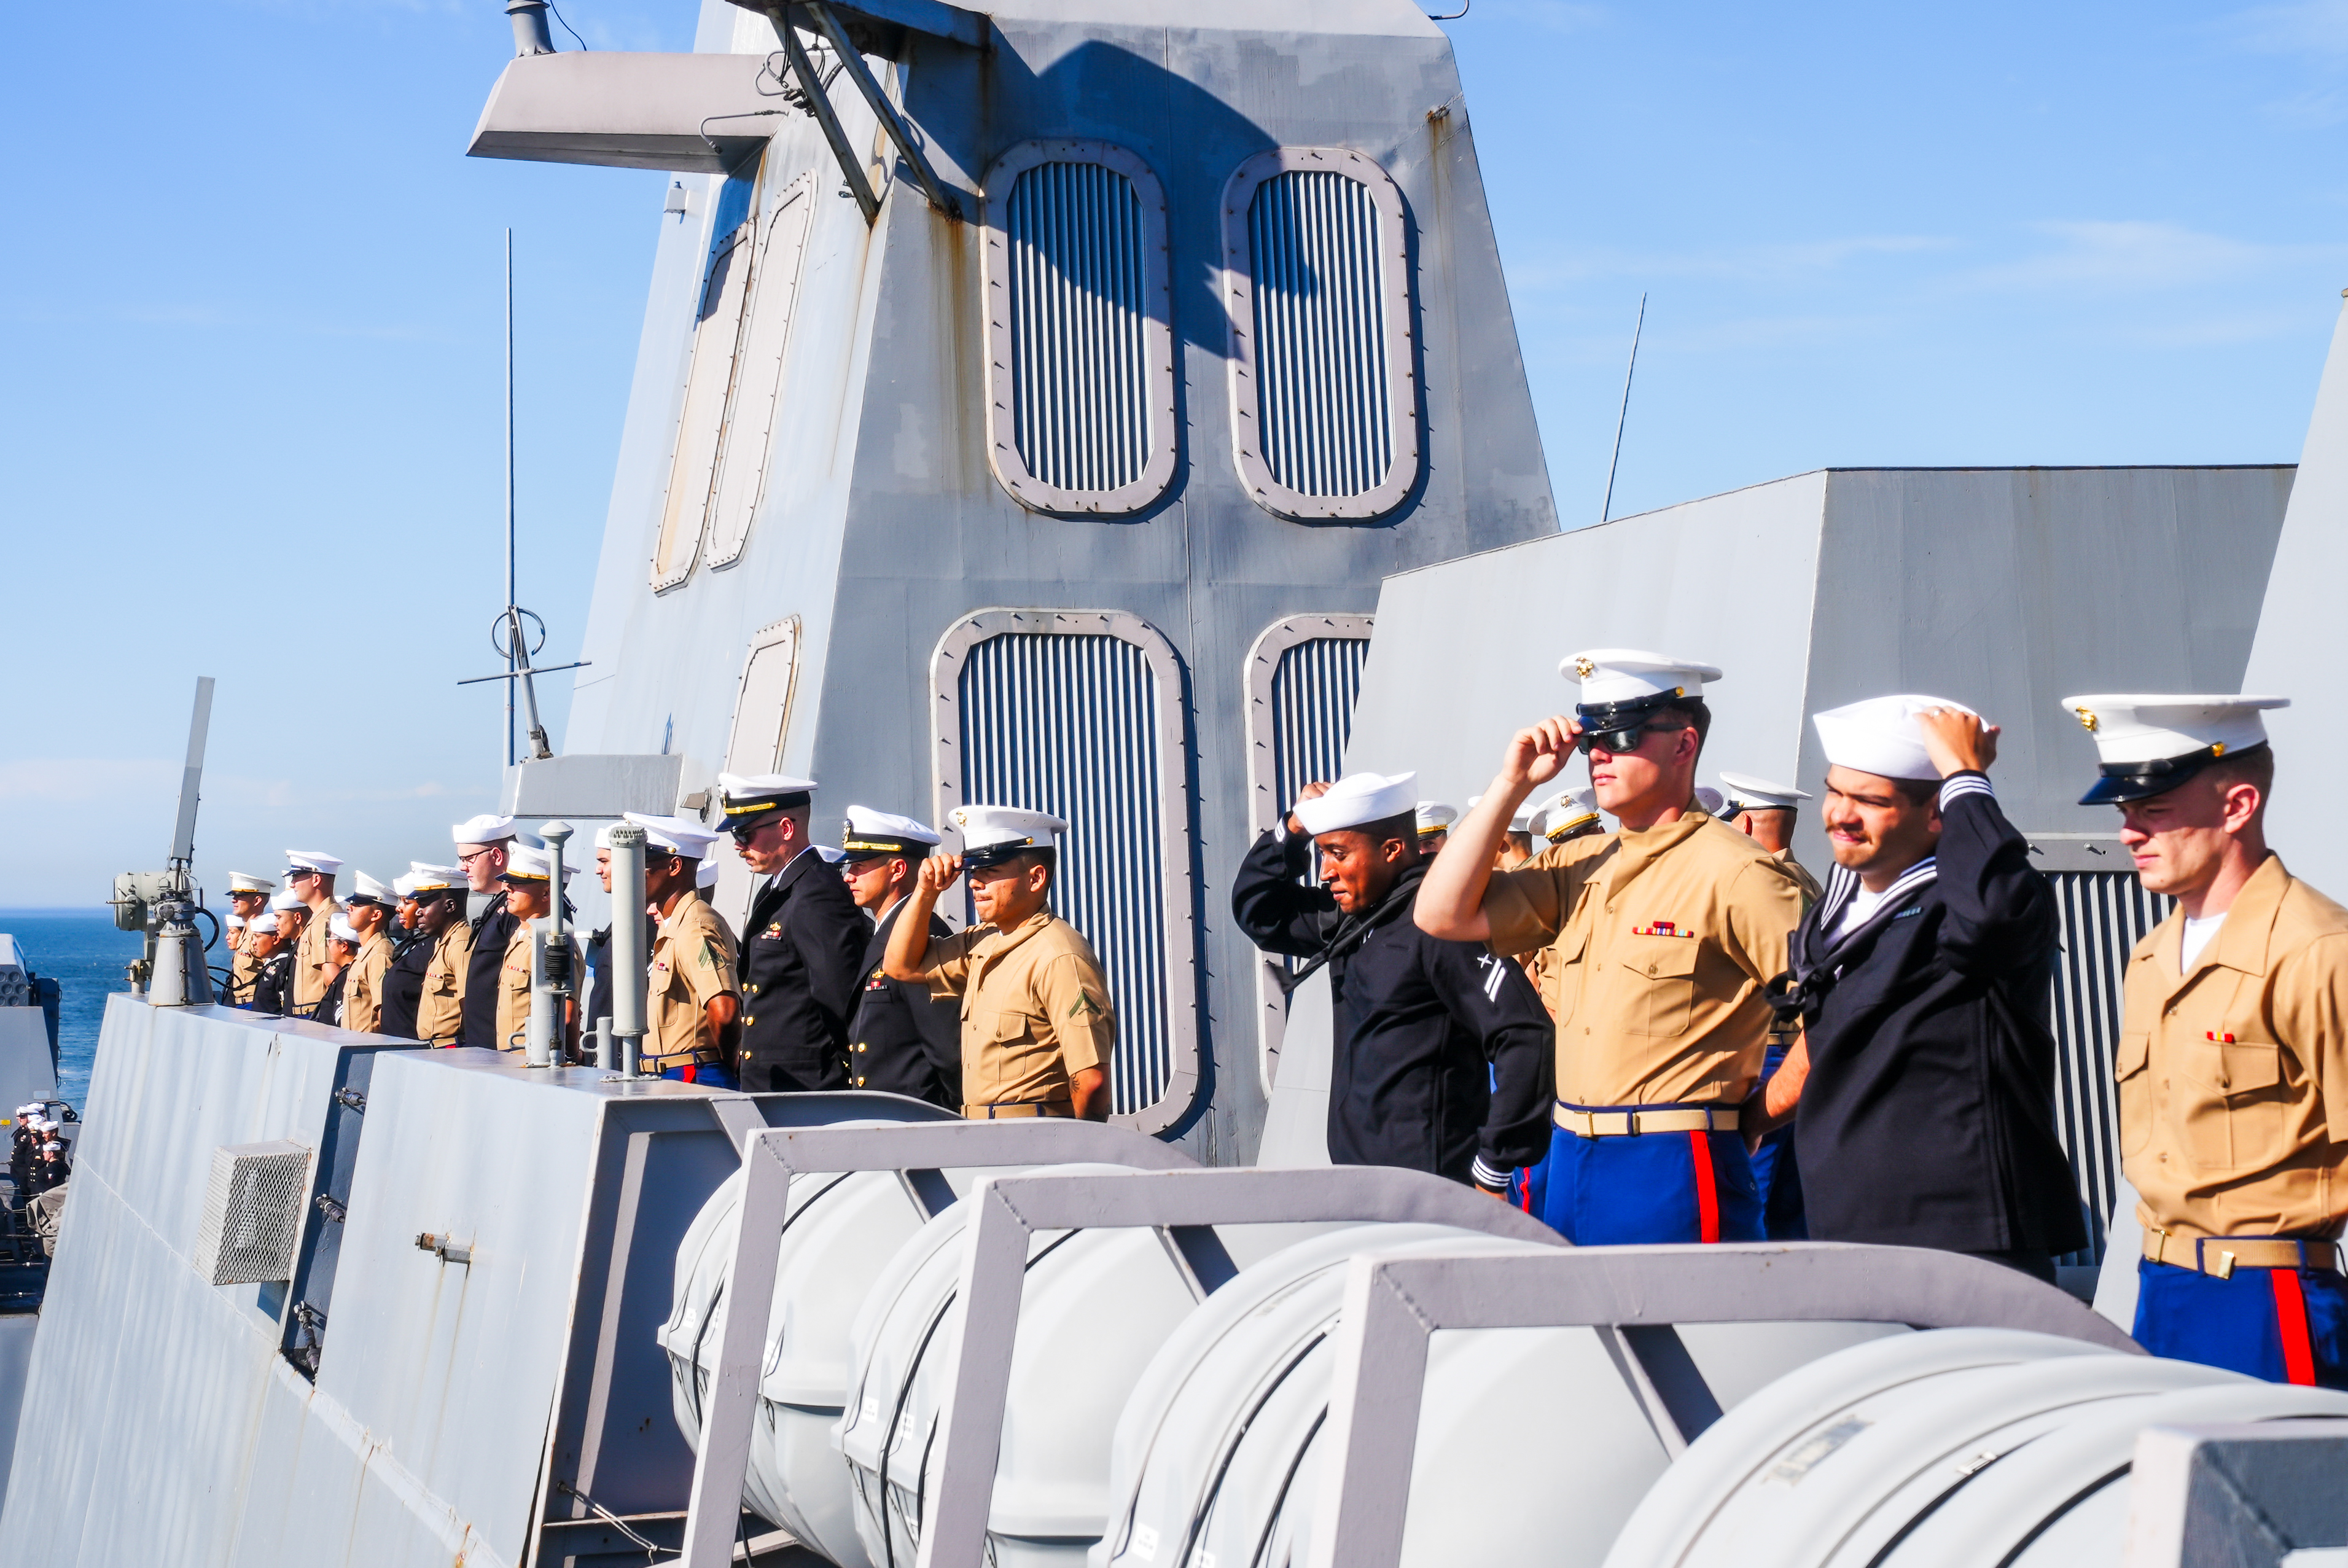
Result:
x=568 y=28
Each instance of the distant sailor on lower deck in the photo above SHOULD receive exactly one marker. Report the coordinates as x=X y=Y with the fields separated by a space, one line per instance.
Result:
x=1662 y=936
x=1037 y=1030
x=2233 y=1054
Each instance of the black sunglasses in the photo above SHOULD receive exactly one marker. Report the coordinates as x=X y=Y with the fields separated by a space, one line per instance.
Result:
x=1620 y=740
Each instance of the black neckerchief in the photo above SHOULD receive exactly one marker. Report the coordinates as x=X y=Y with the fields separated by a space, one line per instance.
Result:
x=1804 y=986
x=1356 y=928
x=489 y=912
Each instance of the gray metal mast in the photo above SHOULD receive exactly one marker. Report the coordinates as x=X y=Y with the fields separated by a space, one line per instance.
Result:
x=1606 y=508
x=513 y=643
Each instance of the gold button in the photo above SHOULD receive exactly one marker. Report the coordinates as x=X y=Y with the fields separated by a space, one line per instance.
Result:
x=749 y=1021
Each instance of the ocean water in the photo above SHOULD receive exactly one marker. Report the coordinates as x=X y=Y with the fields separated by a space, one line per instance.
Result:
x=85 y=955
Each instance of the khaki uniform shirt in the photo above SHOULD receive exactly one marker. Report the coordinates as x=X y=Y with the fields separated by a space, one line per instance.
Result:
x=513 y=989
x=2233 y=1080
x=1811 y=891
x=1659 y=945
x=242 y=974
x=310 y=974
x=362 y=992
x=694 y=962
x=1034 y=1009
x=440 y=1014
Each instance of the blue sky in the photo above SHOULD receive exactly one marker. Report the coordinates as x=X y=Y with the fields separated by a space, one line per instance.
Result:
x=251 y=334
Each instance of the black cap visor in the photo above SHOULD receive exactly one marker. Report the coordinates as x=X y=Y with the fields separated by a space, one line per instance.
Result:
x=1611 y=715
x=2122 y=782
x=996 y=854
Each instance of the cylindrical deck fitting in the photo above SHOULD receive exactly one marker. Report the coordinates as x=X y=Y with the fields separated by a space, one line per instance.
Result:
x=530 y=35
x=628 y=956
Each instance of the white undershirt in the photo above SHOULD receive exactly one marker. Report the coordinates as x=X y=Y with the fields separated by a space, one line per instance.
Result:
x=1862 y=904
x=2198 y=936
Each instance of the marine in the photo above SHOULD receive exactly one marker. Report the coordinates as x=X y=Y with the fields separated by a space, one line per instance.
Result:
x=902 y=1038
x=441 y=904
x=369 y=908
x=1662 y=936
x=803 y=944
x=309 y=877
x=248 y=896
x=692 y=1003
x=2233 y=1055
x=528 y=876
x=1038 y=1031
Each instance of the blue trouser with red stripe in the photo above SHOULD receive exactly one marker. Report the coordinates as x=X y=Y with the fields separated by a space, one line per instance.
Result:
x=1648 y=1188
x=2287 y=1325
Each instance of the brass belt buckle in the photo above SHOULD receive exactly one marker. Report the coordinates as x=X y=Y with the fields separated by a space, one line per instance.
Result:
x=2223 y=1268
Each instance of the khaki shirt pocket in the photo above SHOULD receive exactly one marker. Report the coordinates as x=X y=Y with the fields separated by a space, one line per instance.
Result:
x=1667 y=998
x=1564 y=976
x=2231 y=1107
x=2136 y=1092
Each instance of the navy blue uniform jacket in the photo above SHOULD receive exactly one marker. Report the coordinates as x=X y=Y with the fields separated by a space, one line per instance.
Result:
x=1927 y=1119
x=905 y=1040
x=1443 y=1052
x=803 y=958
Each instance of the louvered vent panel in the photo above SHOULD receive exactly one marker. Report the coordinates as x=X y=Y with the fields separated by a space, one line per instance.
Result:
x=1322 y=396
x=1079 y=287
x=1313 y=694
x=1068 y=724
x=2104 y=915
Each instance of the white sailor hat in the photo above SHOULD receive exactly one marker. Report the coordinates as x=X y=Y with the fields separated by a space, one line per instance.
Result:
x=1434 y=816
x=1747 y=793
x=868 y=833
x=2149 y=744
x=1358 y=799
x=485 y=828
x=1523 y=822
x=1880 y=735
x=524 y=863
x=288 y=900
x=365 y=889
x=235 y=923
x=324 y=865
x=342 y=930
x=1565 y=811
x=993 y=834
x=422 y=878
x=245 y=881
x=706 y=877
x=1618 y=685
x=1713 y=802
x=678 y=835
x=749 y=799
x=262 y=926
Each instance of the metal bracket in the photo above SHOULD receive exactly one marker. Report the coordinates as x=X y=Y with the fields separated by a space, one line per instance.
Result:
x=851 y=60
x=1393 y=1305
x=1176 y=1203
x=851 y=171
x=920 y=1151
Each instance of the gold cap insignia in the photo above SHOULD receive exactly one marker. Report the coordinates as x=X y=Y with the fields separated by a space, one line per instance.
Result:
x=1584 y=668
x=2087 y=719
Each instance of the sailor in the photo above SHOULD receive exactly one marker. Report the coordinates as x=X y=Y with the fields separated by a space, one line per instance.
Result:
x=1925 y=1071
x=1764 y=813
x=368 y=907
x=342 y=947
x=802 y=945
x=902 y=1038
x=2233 y=1054
x=309 y=877
x=528 y=878
x=1662 y=936
x=248 y=896
x=692 y=1002
x=293 y=919
x=441 y=904
x=1434 y=820
x=1037 y=1030
x=411 y=953
x=272 y=980
x=483 y=843
x=1441 y=1049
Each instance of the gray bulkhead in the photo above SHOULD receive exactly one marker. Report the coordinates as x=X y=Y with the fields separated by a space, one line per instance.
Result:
x=884 y=516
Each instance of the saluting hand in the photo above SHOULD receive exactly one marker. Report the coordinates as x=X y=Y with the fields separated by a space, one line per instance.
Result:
x=1537 y=755
x=1958 y=741
x=938 y=873
x=1313 y=791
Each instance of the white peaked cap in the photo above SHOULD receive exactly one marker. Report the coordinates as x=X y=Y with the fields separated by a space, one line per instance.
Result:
x=365 y=886
x=1358 y=799
x=423 y=877
x=342 y=930
x=404 y=884
x=1432 y=816
x=1711 y=800
x=2154 y=728
x=245 y=881
x=286 y=901
x=867 y=828
x=262 y=925
x=522 y=861
x=679 y=835
x=1880 y=735
x=1634 y=674
x=707 y=875
x=740 y=786
x=484 y=829
x=1566 y=810
x=1759 y=794
x=997 y=827
x=828 y=855
x=236 y=922
x=318 y=860
x=1523 y=822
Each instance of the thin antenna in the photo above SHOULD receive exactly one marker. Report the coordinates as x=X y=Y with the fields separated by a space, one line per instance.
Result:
x=513 y=650
x=1606 y=510
x=192 y=776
